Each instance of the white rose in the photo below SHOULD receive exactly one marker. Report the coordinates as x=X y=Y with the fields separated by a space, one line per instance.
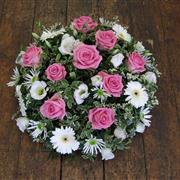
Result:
x=121 y=32
x=81 y=93
x=140 y=127
x=96 y=80
x=139 y=47
x=38 y=90
x=117 y=59
x=120 y=133
x=151 y=77
x=22 y=123
x=67 y=44
x=107 y=154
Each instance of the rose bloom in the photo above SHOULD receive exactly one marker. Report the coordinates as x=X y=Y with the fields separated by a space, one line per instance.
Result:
x=86 y=57
x=105 y=40
x=56 y=72
x=112 y=84
x=101 y=118
x=31 y=57
x=136 y=63
x=84 y=24
x=53 y=108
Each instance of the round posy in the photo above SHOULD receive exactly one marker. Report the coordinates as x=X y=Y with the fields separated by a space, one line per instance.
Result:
x=88 y=86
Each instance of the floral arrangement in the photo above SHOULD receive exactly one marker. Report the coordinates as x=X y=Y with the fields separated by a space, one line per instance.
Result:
x=88 y=86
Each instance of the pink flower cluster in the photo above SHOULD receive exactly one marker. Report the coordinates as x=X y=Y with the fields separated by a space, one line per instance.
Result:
x=85 y=57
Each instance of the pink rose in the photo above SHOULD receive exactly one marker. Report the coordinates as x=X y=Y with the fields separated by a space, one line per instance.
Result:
x=56 y=72
x=32 y=56
x=86 y=57
x=112 y=84
x=84 y=24
x=105 y=40
x=136 y=63
x=53 y=108
x=101 y=118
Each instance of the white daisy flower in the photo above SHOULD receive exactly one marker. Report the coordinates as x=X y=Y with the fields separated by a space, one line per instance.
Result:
x=139 y=47
x=15 y=78
x=37 y=129
x=93 y=145
x=121 y=32
x=151 y=77
x=117 y=60
x=137 y=95
x=140 y=127
x=67 y=44
x=100 y=93
x=107 y=154
x=63 y=140
x=31 y=78
x=81 y=93
x=120 y=133
x=22 y=123
x=20 y=100
x=145 y=116
x=50 y=34
x=38 y=90
x=96 y=80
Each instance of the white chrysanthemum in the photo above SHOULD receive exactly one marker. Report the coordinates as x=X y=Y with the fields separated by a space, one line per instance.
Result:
x=100 y=93
x=145 y=116
x=15 y=78
x=63 y=140
x=140 y=127
x=37 y=129
x=67 y=44
x=137 y=95
x=121 y=32
x=117 y=60
x=107 y=154
x=96 y=80
x=22 y=123
x=38 y=90
x=120 y=133
x=50 y=34
x=151 y=77
x=93 y=145
x=81 y=93
x=139 y=47
x=31 y=78
x=20 y=100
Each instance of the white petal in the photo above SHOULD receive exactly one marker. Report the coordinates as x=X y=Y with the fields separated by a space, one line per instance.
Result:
x=140 y=127
x=107 y=154
x=117 y=59
x=22 y=123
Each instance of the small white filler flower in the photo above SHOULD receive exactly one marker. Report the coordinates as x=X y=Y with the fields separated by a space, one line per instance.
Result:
x=151 y=77
x=136 y=94
x=31 y=78
x=107 y=154
x=122 y=33
x=22 y=123
x=15 y=78
x=120 y=133
x=63 y=140
x=81 y=93
x=37 y=129
x=93 y=145
x=67 y=44
x=38 y=90
x=117 y=60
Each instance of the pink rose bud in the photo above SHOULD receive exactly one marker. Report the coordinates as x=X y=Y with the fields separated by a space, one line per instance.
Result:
x=53 y=108
x=105 y=40
x=31 y=58
x=136 y=63
x=101 y=118
x=86 y=57
x=113 y=85
x=56 y=72
x=84 y=24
